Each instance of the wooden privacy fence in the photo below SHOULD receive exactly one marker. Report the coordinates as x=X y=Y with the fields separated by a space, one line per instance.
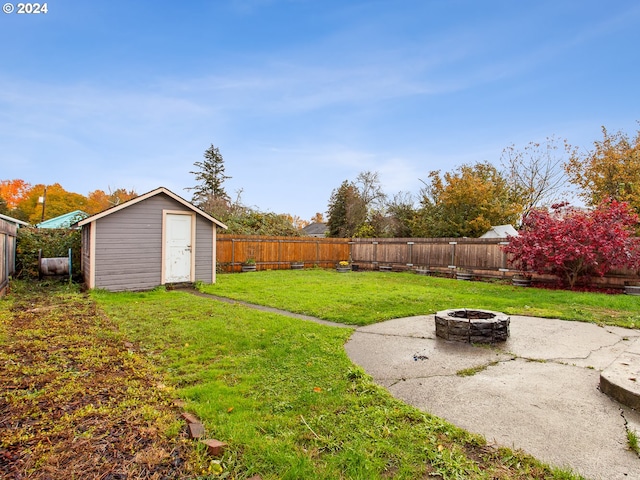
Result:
x=8 y=233
x=436 y=254
x=278 y=253
x=368 y=253
x=482 y=256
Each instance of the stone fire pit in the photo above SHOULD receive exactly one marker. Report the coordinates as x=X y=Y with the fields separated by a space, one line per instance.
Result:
x=472 y=326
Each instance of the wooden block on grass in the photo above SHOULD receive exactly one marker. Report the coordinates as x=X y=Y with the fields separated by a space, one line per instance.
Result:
x=196 y=430
x=190 y=418
x=215 y=448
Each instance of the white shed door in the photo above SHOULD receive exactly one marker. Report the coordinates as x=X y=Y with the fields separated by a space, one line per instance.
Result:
x=177 y=249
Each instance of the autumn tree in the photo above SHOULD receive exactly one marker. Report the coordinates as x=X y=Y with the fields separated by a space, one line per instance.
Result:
x=536 y=172
x=297 y=222
x=12 y=191
x=575 y=244
x=210 y=175
x=57 y=201
x=610 y=170
x=466 y=202
x=99 y=200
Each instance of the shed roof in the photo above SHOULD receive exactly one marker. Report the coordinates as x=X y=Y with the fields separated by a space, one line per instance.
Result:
x=63 y=221
x=143 y=197
x=500 y=231
x=9 y=219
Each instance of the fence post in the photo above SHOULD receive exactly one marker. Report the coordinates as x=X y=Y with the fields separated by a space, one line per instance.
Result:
x=375 y=254
x=504 y=258
x=410 y=246
x=279 y=254
x=233 y=254
x=453 y=254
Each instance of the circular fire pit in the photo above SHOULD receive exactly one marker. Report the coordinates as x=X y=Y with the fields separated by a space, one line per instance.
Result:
x=472 y=326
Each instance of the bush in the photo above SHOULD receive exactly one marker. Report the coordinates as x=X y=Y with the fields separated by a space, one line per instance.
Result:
x=52 y=242
x=573 y=244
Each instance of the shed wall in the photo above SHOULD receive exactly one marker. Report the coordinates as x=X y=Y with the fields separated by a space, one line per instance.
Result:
x=8 y=234
x=85 y=252
x=128 y=246
x=205 y=242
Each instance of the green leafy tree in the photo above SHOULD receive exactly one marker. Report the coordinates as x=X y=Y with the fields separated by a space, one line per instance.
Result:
x=210 y=175
x=254 y=222
x=347 y=211
x=466 y=202
x=3 y=206
x=357 y=209
x=401 y=213
x=610 y=170
x=243 y=220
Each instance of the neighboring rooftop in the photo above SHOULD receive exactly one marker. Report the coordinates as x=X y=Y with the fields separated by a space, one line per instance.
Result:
x=64 y=221
x=316 y=229
x=9 y=219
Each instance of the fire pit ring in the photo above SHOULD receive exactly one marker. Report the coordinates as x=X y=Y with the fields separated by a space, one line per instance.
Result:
x=472 y=325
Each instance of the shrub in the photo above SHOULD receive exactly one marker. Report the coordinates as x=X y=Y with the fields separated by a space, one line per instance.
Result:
x=52 y=242
x=575 y=244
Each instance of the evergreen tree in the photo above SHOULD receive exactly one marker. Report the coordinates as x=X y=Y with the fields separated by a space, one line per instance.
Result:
x=347 y=211
x=211 y=177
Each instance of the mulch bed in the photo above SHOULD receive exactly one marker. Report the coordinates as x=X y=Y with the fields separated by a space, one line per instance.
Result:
x=77 y=400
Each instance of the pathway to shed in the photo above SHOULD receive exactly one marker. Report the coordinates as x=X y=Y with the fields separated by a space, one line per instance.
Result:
x=538 y=391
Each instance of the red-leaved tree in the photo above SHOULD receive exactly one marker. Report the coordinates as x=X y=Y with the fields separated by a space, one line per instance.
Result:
x=574 y=244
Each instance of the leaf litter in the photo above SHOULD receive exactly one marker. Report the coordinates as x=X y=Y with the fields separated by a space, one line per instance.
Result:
x=77 y=400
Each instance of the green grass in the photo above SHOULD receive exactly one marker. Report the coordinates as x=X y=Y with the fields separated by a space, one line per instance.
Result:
x=632 y=441
x=470 y=372
x=285 y=397
x=363 y=298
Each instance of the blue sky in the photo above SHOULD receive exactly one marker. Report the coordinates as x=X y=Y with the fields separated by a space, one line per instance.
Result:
x=300 y=95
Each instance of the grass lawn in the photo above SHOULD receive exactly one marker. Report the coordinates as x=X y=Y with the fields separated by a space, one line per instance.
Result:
x=283 y=393
x=362 y=298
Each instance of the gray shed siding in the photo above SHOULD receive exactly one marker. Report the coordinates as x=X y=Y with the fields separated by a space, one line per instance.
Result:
x=85 y=249
x=128 y=246
x=205 y=242
x=8 y=234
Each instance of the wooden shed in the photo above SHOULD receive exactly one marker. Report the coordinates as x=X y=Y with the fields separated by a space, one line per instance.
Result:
x=155 y=239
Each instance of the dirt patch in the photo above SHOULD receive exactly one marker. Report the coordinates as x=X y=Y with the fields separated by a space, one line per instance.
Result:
x=77 y=400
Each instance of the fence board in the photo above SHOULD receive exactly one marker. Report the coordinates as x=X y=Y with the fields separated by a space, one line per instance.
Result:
x=474 y=253
x=483 y=256
x=8 y=234
x=276 y=253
